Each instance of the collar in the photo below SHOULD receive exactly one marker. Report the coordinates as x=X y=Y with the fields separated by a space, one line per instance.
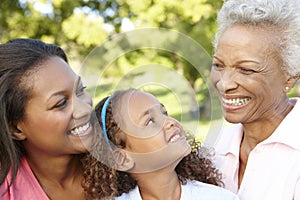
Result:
x=229 y=139
x=287 y=133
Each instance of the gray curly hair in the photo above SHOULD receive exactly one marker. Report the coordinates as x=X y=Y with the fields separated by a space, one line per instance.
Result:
x=283 y=15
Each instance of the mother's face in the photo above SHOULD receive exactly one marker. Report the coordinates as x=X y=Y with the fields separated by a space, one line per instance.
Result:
x=247 y=74
x=57 y=114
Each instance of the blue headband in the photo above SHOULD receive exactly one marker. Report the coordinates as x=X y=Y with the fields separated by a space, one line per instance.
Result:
x=103 y=116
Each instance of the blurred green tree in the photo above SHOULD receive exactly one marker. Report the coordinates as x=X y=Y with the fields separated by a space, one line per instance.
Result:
x=81 y=25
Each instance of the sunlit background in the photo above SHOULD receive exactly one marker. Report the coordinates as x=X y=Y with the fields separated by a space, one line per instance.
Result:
x=82 y=25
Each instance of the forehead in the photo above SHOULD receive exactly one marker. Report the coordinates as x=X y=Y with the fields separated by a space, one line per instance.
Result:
x=50 y=76
x=133 y=104
x=133 y=109
x=249 y=38
x=137 y=101
x=247 y=33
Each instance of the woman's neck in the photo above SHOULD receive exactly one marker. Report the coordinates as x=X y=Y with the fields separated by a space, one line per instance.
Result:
x=60 y=177
x=55 y=169
x=259 y=130
x=159 y=185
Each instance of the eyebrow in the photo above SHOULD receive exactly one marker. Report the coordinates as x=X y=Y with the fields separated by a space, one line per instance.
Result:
x=141 y=116
x=245 y=61
x=148 y=111
x=217 y=58
x=239 y=62
x=58 y=93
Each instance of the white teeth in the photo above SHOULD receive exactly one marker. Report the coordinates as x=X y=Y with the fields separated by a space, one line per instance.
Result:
x=175 y=138
x=237 y=101
x=81 y=129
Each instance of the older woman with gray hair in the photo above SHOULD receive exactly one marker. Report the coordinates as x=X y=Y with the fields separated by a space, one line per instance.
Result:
x=255 y=64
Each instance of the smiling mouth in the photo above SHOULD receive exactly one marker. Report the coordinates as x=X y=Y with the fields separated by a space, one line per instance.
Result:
x=236 y=101
x=175 y=138
x=80 y=129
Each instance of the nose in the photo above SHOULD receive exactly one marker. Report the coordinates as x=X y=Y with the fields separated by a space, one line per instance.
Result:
x=169 y=123
x=81 y=107
x=227 y=81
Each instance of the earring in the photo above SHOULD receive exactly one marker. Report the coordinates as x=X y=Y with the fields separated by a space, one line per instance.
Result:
x=287 y=88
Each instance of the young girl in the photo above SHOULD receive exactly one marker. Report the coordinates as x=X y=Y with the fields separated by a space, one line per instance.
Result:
x=153 y=159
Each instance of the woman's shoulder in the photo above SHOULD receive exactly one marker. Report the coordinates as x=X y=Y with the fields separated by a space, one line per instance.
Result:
x=202 y=190
x=25 y=185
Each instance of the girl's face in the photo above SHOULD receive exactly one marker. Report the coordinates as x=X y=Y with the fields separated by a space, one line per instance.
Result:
x=57 y=114
x=147 y=126
x=248 y=74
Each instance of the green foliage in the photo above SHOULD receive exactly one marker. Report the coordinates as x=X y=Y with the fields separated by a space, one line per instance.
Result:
x=85 y=29
x=78 y=26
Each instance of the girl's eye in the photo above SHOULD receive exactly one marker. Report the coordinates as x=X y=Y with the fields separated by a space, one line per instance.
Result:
x=61 y=104
x=150 y=121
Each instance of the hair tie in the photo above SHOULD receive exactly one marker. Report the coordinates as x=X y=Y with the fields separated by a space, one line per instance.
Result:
x=103 y=117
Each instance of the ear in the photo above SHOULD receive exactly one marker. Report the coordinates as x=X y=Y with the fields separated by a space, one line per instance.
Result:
x=291 y=82
x=17 y=133
x=123 y=159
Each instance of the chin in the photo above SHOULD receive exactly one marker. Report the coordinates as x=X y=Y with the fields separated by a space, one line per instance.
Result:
x=233 y=120
x=186 y=151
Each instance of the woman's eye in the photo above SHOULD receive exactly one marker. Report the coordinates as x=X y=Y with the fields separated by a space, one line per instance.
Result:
x=81 y=90
x=247 y=70
x=217 y=66
x=61 y=104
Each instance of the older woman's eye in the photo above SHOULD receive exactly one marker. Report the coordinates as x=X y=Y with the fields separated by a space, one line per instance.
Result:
x=247 y=70
x=217 y=66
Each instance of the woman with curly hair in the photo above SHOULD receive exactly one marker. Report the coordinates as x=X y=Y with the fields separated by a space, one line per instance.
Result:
x=151 y=158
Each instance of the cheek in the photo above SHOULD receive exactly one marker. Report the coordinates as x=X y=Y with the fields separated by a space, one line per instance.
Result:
x=264 y=84
x=146 y=145
x=88 y=99
x=214 y=76
x=139 y=132
x=53 y=123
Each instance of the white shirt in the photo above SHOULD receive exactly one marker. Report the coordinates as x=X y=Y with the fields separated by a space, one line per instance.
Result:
x=273 y=167
x=192 y=190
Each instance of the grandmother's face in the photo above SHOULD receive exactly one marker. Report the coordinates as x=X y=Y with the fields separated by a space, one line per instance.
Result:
x=247 y=74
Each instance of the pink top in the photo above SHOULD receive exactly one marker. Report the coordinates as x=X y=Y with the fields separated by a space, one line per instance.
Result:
x=273 y=167
x=25 y=186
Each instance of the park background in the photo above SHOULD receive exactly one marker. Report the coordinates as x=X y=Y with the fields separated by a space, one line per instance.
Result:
x=80 y=26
